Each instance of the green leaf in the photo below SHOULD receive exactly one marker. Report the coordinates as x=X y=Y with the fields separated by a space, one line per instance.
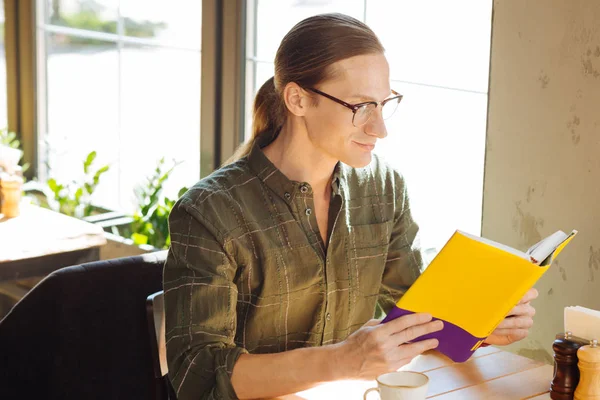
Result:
x=139 y=238
x=78 y=194
x=88 y=188
x=152 y=216
x=52 y=184
x=87 y=211
x=102 y=170
x=88 y=161
x=99 y=173
x=182 y=191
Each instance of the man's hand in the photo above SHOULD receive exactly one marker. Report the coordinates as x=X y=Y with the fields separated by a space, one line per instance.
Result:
x=516 y=325
x=378 y=348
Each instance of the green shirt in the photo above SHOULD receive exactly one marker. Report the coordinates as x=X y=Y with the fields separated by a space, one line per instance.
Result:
x=248 y=272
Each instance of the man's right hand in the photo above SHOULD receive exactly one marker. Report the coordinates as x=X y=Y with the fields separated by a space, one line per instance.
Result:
x=377 y=348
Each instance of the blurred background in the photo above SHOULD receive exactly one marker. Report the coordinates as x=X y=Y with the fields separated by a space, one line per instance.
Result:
x=119 y=105
x=123 y=78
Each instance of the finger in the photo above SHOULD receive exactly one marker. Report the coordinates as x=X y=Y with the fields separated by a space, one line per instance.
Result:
x=530 y=295
x=406 y=321
x=516 y=323
x=411 y=350
x=416 y=331
x=522 y=310
x=508 y=336
x=512 y=332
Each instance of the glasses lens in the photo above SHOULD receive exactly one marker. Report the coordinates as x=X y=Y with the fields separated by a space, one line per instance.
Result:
x=390 y=108
x=362 y=115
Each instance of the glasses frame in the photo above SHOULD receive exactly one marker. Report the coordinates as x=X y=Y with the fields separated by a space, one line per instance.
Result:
x=358 y=106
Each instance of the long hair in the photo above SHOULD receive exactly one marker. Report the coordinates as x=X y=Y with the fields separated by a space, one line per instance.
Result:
x=304 y=57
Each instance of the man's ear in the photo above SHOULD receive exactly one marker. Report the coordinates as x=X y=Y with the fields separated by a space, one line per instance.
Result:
x=296 y=99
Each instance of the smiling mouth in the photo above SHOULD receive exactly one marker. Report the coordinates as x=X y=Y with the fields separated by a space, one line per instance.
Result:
x=363 y=146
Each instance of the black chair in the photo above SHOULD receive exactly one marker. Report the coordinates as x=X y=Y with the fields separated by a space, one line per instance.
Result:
x=82 y=333
x=155 y=313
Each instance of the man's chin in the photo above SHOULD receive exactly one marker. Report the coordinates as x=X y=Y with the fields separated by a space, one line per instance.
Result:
x=358 y=162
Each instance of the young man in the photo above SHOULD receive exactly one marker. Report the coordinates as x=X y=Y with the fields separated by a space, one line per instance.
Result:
x=279 y=258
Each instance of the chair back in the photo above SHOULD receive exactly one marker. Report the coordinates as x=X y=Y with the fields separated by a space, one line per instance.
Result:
x=82 y=333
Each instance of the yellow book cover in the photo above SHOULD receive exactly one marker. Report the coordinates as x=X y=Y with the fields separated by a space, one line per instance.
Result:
x=472 y=284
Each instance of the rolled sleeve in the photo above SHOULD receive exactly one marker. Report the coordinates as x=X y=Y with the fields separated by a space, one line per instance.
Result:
x=200 y=306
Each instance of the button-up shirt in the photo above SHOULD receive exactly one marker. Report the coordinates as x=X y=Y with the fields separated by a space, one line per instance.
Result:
x=248 y=271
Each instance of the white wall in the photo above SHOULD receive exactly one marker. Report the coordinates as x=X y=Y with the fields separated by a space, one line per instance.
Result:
x=542 y=170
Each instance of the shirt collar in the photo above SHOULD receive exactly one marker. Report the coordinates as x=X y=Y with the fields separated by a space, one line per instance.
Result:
x=287 y=189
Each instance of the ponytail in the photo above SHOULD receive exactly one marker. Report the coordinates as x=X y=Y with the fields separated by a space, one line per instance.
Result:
x=268 y=116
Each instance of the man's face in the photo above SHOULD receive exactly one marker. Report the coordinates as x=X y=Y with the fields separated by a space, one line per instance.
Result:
x=330 y=129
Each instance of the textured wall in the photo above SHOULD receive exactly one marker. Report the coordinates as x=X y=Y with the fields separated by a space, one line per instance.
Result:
x=542 y=170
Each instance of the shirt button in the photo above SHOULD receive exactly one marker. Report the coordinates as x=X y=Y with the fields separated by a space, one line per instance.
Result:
x=328 y=317
x=308 y=211
x=304 y=189
x=287 y=196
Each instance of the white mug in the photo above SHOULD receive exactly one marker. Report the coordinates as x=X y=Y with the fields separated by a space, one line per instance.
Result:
x=401 y=385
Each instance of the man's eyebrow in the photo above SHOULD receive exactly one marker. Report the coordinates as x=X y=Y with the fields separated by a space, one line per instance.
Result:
x=364 y=97
x=361 y=96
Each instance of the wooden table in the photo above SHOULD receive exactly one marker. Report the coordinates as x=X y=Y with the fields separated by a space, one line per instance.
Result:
x=489 y=374
x=40 y=241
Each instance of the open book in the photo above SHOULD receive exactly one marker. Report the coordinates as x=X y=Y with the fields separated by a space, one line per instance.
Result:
x=472 y=284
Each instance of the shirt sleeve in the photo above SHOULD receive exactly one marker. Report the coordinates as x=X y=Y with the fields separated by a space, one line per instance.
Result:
x=404 y=262
x=200 y=306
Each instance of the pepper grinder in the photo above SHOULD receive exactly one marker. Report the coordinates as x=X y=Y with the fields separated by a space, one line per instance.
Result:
x=566 y=372
x=589 y=367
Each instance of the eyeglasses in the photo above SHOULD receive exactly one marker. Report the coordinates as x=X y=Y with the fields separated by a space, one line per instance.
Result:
x=362 y=111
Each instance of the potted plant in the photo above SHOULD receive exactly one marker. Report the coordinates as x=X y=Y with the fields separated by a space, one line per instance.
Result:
x=147 y=229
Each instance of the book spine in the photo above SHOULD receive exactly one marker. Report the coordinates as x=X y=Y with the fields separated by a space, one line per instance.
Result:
x=454 y=342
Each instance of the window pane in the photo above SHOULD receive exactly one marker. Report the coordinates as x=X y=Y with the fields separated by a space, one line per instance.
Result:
x=160 y=109
x=175 y=22
x=437 y=140
x=132 y=103
x=82 y=111
x=276 y=17
x=91 y=15
x=264 y=71
x=437 y=42
x=3 y=110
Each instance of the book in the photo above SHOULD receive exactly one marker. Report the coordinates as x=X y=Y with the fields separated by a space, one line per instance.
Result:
x=582 y=322
x=472 y=284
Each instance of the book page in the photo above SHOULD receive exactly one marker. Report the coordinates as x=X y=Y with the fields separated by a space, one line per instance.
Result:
x=542 y=249
x=537 y=254
x=497 y=245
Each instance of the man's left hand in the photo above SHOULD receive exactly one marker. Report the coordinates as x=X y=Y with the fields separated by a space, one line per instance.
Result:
x=516 y=325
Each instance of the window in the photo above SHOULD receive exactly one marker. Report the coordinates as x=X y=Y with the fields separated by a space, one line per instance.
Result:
x=439 y=58
x=3 y=94
x=122 y=78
